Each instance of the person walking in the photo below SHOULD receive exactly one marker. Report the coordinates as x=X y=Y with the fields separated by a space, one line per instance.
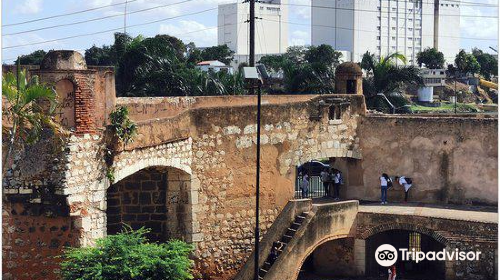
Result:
x=406 y=183
x=384 y=181
x=392 y=273
x=305 y=186
x=325 y=178
x=337 y=178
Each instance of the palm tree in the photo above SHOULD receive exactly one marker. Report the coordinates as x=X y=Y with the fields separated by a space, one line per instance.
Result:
x=28 y=108
x=384 y=76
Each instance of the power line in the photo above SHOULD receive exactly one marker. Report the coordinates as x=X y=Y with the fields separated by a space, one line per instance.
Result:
x=179 y=34
x=363 y=30
x=67 y=14
x=379 y=12
x=97 y=19
x=109 y=30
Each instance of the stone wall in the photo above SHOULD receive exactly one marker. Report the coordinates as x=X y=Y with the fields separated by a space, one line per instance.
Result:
x=32 y=240
x=451 y=160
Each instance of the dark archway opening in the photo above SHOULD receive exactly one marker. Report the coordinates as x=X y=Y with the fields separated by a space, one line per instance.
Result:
x=405 y=269
x=331 y=260
x=154 y=198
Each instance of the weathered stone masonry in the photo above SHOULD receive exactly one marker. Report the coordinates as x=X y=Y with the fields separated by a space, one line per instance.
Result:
x=193 y=164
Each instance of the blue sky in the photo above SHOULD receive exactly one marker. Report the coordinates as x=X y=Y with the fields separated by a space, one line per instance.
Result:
x=199 y=28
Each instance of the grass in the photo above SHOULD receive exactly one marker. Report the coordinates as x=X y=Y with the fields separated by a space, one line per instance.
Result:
x=446 y=108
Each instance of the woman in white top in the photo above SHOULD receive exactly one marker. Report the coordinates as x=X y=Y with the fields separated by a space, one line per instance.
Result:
x=384 y=179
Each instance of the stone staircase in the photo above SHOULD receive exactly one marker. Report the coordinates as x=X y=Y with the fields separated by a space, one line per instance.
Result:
x=285 y=239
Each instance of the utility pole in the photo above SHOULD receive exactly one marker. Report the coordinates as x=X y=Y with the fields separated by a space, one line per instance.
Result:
x=125 y=18
x=252 y=91
x=251 y=20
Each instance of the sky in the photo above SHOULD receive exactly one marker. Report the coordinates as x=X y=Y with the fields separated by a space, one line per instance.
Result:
x=190 y=20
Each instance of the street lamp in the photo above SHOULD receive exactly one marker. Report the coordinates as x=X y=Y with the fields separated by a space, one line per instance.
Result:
x=254 y=76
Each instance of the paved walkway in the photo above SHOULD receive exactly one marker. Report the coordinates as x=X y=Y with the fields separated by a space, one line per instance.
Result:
x=484 y=214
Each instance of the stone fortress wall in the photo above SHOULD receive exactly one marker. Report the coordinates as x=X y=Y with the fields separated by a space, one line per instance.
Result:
x=206 y=148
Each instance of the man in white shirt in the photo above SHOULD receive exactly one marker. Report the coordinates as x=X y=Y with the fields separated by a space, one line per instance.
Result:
x=405 y=183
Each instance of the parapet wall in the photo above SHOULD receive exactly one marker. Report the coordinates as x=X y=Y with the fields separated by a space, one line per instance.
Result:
x=451 y=160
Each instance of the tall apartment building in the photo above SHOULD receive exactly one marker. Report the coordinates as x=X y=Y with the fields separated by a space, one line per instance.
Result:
x=387 y=26
x=271 y=29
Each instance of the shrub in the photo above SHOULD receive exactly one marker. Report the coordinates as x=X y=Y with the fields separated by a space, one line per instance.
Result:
x=127 y=256
x=122 y=126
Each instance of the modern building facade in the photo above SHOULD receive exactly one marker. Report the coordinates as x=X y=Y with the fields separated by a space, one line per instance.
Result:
x=271 y=28
x=387 y=26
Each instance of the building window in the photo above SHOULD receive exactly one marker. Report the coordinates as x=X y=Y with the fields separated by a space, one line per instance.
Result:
x=394 y=28
x=378 y=27
x=335 y=111
x=378 y=38
x=393 y=9
x=393 y=38
x=393 y=18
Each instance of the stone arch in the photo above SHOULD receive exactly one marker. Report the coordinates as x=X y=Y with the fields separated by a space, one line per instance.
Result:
x=311 y=249
x=123 y=169
x=404 y=226
x=155 y=193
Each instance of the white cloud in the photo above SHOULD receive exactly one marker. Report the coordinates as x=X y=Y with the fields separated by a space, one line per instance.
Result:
x=191 y=31
x=301 y=11
x=478 y=26
x=29 y=7
x=27 y=39
x=299 y=38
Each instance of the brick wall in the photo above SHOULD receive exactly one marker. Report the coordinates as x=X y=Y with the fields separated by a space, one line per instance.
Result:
x=154 y=198
x=31 y=242
x=139 y=201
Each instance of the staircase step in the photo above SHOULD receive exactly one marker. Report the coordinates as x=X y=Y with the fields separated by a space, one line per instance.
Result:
x=286 y=238
x=290 y=232
x=295 y=225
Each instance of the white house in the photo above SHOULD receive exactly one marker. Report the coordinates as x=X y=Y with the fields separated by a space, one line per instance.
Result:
x=213 y=65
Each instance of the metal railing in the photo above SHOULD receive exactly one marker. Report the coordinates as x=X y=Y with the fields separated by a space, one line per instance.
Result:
x=316 y=188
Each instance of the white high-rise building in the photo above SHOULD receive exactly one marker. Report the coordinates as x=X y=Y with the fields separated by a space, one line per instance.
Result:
x=271 y=29
x=383 y=27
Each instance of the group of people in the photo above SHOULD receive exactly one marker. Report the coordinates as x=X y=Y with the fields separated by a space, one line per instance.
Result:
x=332 y=180
x=386 y=183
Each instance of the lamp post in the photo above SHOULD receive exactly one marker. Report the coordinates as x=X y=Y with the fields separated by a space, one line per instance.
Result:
x=252 y=75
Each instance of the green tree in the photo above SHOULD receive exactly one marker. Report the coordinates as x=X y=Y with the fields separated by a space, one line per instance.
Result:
x=324 y=55
x=488 y=63
x=128 y=256
x=28 y=108
x=368 y=61
x=221 y=53
x=386 y=76
x=100 y=56
x=467 y=63
x=34 y=58
x=432 y=58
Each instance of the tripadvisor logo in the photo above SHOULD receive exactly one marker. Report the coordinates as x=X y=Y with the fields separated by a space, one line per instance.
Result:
x=386 y=255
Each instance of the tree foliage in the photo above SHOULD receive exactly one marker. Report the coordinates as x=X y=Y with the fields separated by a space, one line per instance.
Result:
x=466 y=63
x=34 y=58
x=385 y=76
x=305 y=69
x=28 y=108
x=487 y=62
x=164 y=66
x=432 y=58
x=128 y=256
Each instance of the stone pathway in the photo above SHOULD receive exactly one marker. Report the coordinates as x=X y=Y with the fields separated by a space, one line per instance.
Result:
x=463 y=213
x=484 y=214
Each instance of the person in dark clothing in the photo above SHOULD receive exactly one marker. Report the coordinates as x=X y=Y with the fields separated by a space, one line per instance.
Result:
x=275 y=251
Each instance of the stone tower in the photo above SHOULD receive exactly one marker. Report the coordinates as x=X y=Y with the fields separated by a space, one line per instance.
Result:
x=348 y=79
